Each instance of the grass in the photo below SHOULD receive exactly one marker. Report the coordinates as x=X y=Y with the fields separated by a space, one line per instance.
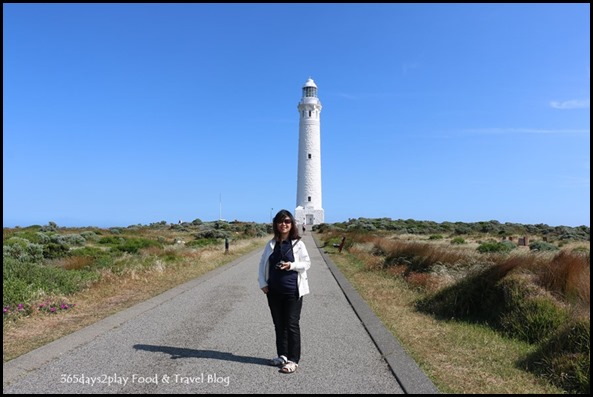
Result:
x=504 y=321
x=458 y=357
x=392 y=274
x=113 y=293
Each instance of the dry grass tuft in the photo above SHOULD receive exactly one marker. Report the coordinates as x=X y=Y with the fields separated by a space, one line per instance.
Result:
x=568 y=274
x=73 y=262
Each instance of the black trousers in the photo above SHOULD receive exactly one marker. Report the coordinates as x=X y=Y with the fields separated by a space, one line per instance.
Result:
x=286 y=314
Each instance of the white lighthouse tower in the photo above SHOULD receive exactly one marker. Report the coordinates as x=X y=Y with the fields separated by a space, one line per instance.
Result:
x=309 y=210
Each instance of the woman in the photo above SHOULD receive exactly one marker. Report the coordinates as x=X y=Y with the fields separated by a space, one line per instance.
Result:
x=283 y=278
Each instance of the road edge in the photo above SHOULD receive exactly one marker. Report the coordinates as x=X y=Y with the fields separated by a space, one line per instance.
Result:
x=409 y=375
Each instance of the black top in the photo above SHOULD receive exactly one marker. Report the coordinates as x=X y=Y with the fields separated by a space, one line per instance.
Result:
x=282 y=281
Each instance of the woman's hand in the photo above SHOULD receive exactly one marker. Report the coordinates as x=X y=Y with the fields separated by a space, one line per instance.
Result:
x=265 y=289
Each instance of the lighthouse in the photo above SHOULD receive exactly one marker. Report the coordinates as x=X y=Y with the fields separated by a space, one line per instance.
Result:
x=308 y=201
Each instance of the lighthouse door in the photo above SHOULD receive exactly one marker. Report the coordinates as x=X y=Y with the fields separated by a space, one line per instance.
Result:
x=310 y=219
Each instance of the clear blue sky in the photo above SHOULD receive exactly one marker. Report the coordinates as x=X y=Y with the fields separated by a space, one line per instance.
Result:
x=124 y=114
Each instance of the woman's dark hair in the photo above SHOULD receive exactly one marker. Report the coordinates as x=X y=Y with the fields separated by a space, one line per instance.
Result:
x=293 y=234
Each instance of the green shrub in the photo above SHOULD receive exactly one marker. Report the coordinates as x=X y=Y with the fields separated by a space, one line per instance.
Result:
x=114 y=240
x=42 y=238
x=133 y=245
x=74 y=239
x=22 y=250
x=90 y=236
x=494 y=247
x=542 y=246
x=508 y=244
x=475 y=298
x=581 y=250
x=93 y=252
x=50 y=227
x=565 y=358
x=55 y=250
x=203 y=242
x=24 y=282
x=32 y=235
x=211 y=234
x=533 y=319
x=457 y=240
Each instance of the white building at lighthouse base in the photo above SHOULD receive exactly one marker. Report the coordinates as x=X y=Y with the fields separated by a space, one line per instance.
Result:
x=309 y=215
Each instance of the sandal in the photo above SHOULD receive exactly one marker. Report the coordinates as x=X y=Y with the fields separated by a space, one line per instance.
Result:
x=278 y=361
x=289 y=367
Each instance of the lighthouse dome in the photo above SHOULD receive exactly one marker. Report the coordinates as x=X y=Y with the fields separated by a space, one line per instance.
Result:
x=310 y=83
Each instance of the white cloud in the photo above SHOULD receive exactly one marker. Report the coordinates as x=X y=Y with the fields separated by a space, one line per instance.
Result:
x=572 y=104
x=524 y=131
x=346 y=96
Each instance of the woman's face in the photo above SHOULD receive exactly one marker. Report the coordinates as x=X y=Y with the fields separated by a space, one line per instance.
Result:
x=284 y=225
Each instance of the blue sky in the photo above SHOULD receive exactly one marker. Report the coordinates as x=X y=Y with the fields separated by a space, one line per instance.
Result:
x=124 y=114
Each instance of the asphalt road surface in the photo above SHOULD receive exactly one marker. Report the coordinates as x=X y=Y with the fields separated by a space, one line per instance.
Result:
x=215 y=334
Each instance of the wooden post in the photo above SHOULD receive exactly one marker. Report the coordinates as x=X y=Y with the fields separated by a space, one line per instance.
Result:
x=342 y=244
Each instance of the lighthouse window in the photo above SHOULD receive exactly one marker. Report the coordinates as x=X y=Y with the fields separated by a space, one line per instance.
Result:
x=309 y=155
x=310 y=92
x=309 y=199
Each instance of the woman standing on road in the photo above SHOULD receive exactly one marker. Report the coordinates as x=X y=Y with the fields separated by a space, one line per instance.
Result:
x=283 y=278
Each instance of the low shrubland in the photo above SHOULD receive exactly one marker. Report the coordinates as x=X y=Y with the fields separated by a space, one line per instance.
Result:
x=537 y=293
x=46 y=268
x=48 y=262
x=474 y=279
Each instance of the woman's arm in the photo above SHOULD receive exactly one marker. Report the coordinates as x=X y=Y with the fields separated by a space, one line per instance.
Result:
x=302 y=262
x=262 y=275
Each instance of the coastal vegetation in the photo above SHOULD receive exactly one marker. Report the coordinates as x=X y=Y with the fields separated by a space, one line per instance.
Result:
x=482 y=307
x=57 y=280
x=526 y=285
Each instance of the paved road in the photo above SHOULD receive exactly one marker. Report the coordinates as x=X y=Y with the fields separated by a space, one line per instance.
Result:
x=214 y=334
